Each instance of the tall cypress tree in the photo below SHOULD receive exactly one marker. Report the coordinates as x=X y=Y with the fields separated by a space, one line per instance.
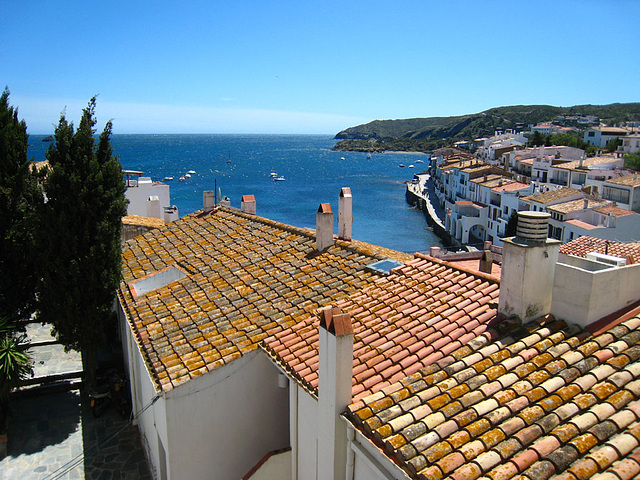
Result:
x=20 y=197
x=82 y=236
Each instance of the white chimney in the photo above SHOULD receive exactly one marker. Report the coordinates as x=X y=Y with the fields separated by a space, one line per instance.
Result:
x=154 y=209
x=324 y=227
x=528 y=266
x=248 y=204
x=345 y=214
x=170 y=214
x=208 y=200
x=335 y=372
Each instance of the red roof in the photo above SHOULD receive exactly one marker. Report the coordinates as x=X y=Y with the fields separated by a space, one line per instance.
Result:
x=583 y=245
x=415 y=316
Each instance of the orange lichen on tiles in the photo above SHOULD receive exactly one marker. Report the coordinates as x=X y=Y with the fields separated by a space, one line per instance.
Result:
x=388 y=343
x=246 y=278
x=582 y=418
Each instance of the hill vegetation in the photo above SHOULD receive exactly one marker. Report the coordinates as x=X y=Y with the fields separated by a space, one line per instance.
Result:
x=426 y=134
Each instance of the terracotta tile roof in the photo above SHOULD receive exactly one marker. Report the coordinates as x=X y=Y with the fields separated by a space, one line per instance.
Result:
x=551 y=195
x=547 y=401
x=628 y=180
x=614 y=210
x=415 y=316
x=577 y=205
x=510 y=187
x=233 y=279
x=586 y=163
x=583 y=245
x=583 y=225
x=150 y=222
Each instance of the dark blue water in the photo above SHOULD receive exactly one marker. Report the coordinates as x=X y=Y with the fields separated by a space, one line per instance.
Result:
x=314 y=174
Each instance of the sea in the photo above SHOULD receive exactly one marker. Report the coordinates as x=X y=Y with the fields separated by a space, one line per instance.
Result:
x=312 y=173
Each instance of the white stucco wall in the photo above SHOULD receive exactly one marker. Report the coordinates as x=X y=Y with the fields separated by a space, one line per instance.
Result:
x=150 y=418
x=216 y=426
x=584 y=292
x=222 y=423
x=305 y=420
x=138 y=198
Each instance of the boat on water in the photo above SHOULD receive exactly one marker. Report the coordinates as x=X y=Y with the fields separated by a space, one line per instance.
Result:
x=187 y=175
x=191 y=172
x=279 y=179
x=401 y=165
x=342 y=158
x=419 y=161
x=368 y=155
x=182 y=178
x=167 y=179
x=273 y=174
x=410 y=166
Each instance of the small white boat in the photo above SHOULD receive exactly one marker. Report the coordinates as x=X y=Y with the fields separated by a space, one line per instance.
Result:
x=341 y=158
x=410 y=166
x=187 y=175
x=168 y=179
x=368 y=155
x=273 y=174
x=279 y=179
x=191 y=172
x=182 y=178
x=419 y=161
x=401 y=165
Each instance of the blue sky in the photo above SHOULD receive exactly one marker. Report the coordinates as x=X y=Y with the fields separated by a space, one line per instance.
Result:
x=309 y=67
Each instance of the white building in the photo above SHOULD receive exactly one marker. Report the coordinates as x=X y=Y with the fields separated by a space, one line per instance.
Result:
x=429 y=374
x=148 y=198
x=197 y=298
x=494 y=147
x=630 y=144
x=601 y=136
x=625 y=191
x=546 y=128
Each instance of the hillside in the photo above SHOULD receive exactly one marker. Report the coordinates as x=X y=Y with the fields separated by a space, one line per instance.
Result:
x=427 y=133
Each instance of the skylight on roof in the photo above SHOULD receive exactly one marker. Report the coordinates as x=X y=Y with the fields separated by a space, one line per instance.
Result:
x=155 y=281
x=384 y=266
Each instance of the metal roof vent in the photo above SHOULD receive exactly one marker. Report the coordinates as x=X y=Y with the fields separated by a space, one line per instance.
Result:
x=533 y=227
x=385 y=266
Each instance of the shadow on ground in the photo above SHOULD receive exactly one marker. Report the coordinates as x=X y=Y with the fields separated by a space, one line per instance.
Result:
x=54 y=435
x=42 y=421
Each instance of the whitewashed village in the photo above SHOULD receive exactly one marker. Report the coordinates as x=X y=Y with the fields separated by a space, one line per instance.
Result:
x=259 y=350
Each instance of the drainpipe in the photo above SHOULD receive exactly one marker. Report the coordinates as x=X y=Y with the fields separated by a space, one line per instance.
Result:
x=351 y=456
x=293 y=413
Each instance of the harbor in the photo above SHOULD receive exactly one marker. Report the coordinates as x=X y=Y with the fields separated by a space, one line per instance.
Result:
x=420 y=193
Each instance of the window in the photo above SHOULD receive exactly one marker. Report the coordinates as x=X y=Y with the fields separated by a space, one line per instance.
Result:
x=615 y=194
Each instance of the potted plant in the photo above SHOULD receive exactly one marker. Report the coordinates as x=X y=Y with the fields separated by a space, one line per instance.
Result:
x=15 y=366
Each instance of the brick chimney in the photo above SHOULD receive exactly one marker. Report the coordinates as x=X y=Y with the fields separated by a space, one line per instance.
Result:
x=345 y=214
x=528 y=267
x=335 y=372
x=324 y=227
x=248 y=204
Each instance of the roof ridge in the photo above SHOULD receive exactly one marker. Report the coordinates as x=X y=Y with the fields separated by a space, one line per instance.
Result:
x=453 y=265
x=356 y=246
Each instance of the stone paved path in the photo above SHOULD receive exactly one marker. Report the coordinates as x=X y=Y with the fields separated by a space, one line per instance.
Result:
x=53 y=434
